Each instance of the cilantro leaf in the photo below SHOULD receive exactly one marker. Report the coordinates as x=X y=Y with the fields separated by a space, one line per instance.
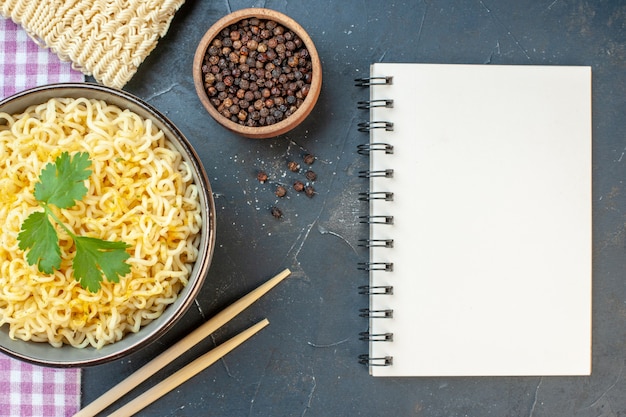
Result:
x=40 y=236
x=95 y=257
x=62 y=182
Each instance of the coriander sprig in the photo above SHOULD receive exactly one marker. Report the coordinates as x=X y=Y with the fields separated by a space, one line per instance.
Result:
x=61 y=184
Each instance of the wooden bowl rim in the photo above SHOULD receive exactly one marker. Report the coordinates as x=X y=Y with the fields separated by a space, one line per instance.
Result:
x=284 y=125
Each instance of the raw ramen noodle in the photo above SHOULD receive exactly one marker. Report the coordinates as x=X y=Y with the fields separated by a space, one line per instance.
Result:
x=140 y=192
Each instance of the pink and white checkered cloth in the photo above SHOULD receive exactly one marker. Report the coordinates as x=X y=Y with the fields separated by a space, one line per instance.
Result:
x=28 y=390
x=23 y=64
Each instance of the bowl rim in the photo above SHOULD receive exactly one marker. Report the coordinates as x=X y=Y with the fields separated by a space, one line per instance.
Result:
x=276 y=129
x=157 y=327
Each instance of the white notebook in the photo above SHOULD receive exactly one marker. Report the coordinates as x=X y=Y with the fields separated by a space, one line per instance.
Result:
x=480 y=220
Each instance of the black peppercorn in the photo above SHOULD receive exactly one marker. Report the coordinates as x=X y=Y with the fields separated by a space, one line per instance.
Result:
x=280 y=191
x=276 y=212
x=261 y=176
x=308 y=159
x=309 y=191
x=293 y=61
x=298 y=186
x=252 y=45
x=293 y=166
x=310 y=175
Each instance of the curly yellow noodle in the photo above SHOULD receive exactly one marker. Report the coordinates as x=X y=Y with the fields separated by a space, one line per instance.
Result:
x=140 y=192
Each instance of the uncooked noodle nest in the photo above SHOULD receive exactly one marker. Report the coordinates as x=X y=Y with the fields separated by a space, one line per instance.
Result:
x=141 y=191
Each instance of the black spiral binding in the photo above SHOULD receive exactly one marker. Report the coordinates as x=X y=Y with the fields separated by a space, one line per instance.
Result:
x=368 y=104
x=376 y=337
x=376 y=243
x=372 y=218
x=378 y=124
x=368 y=81
x=376 y=314
x=387 y=173
x=376 y=219
x=376 y=195
x=376 y=290
x=381 y=361
x=376 y=266
x=367 y=148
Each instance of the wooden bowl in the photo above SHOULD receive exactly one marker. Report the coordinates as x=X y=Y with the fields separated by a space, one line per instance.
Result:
x=268 y=130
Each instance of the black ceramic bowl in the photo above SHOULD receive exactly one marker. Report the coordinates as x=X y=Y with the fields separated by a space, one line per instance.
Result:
x=67 y=356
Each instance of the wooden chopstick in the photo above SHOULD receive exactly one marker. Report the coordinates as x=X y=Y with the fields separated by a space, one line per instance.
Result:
x=186 y=372
x=179 y=348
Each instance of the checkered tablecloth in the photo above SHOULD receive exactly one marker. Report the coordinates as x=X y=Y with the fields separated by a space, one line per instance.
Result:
x=24 y=64
x=28 y=390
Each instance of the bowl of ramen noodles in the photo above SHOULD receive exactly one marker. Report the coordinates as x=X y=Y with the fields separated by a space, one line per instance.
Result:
x=108 y=224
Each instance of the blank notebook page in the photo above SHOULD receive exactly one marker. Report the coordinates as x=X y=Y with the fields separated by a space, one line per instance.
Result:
x=492 y=220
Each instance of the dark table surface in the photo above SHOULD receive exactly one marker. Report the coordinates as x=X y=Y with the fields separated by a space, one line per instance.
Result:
x=305 y=362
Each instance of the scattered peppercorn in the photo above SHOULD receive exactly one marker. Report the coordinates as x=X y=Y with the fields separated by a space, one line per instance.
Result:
x=293 y=166
x=257 y=72
x=280 y=191
x=261 y=176
x=298 y=186
x=276 y=212
x=308 y=159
